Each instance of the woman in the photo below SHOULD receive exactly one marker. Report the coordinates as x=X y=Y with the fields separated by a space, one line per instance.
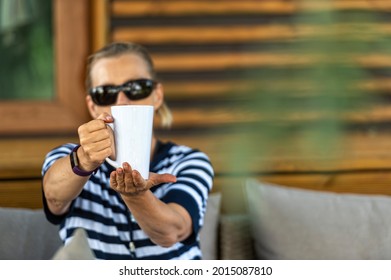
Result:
x=124 y=215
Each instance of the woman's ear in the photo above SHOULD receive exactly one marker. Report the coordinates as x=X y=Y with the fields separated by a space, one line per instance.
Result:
x=91 y=107
x=158 y=96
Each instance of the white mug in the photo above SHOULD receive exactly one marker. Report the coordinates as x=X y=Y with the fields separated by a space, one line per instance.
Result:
x=133 y=136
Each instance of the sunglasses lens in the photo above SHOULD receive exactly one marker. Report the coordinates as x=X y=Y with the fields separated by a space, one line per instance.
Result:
x=104 y=95
x=139 y=89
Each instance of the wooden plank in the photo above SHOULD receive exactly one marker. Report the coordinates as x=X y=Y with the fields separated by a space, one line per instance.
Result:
x=362 y=183
x=204 y=34
x=246 y=88
x=241 y=60
x=49 y=117
x=208 y=117
x=289 y=154
x=174 y=8
x=234 y=33
x=23 y=157
x=228 y=60
x=377 y=84
x=363 y=5
x=374 y=60
x=21 y=194
x=100 y=14
x=71 y=50
x=183 y=90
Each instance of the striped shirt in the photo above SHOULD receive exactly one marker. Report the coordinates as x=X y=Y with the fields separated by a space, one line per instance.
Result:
x=111 y=227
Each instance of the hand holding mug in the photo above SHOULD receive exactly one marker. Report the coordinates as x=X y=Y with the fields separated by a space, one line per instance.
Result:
x=97 y=142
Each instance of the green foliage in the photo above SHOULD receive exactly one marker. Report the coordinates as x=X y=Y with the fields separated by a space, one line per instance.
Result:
x=323 y=89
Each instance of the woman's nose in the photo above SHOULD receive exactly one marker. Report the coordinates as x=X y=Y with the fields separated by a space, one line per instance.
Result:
x=122 y=99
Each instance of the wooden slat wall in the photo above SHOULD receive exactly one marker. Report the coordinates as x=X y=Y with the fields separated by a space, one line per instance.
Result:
x=202 y=49
x=203 y=52
x=20 y=169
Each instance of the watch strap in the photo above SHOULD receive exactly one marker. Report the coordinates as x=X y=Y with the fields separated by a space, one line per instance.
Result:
x=75 y=164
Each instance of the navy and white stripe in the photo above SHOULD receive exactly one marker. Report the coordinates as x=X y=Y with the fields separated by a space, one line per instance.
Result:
x=110 y=225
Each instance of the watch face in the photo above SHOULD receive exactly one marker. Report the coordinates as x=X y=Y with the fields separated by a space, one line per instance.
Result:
x=75 y=164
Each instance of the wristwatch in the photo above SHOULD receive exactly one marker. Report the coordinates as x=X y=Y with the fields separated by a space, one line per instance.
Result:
x=75 y=164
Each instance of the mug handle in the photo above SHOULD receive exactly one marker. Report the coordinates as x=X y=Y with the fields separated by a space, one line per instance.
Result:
x=109 y=160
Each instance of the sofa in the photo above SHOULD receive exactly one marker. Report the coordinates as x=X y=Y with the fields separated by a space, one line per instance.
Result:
x=281 y=223
x=287 y=223
x=27 y=235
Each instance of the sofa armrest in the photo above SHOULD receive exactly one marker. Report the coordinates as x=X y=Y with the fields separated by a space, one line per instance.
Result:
x=235 y=240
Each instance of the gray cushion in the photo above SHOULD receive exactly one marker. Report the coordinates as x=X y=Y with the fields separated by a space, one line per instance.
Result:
x=27 y=235
x=290 y=223
x=209 y=231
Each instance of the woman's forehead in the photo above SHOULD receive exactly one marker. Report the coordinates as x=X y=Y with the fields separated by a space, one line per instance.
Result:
x=119 y=69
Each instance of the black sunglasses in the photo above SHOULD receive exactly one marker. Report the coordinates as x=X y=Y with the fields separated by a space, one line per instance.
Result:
x=134 y=90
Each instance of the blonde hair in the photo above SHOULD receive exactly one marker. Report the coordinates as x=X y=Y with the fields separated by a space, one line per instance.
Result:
x=120 y=48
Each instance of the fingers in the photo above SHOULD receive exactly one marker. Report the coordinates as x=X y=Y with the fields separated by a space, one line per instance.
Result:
x=96 y=140
x=138 y=180
x=96 y=131
x=106 y=117
x=128 y=176
x=117 y=181
x=92 y=126
x=113 y=180
x=129 y=182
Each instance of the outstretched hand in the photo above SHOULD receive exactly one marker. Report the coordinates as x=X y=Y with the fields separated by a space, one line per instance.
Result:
x=129 y=182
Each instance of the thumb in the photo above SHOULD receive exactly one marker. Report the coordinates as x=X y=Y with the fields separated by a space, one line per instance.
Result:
x=156 y=179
